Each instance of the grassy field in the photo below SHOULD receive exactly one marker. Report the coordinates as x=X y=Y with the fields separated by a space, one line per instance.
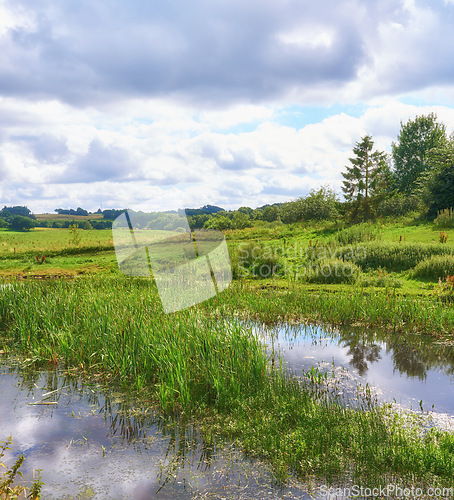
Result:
x=60 y=217
x=201 y=363
x=21 y=252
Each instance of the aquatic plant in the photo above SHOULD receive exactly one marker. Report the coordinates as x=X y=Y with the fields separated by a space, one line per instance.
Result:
x=9 y=489
x=202 y=363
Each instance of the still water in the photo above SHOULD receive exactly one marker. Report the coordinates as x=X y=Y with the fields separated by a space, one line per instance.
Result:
x=408 y=369
x=96 y=443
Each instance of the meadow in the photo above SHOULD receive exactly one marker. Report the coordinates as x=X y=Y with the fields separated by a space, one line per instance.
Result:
x=205 y=364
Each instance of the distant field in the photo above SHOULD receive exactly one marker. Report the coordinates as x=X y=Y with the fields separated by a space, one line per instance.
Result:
x=43 y=239
x=21 y=252
x=67 y=217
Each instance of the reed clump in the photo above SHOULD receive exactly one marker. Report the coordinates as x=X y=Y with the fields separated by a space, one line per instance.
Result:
x=359 y=233
x=445 y=218
x=117 y=325
x=394 y=258
x=380 y=279
x=330 y=271
x=435 y=267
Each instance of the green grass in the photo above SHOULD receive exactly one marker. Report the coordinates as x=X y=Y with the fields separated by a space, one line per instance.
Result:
x=21 y=253
x=41 y=241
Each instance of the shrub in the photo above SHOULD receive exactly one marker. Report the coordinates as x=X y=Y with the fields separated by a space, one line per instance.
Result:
x=20 y=223
x=319 y=204
x=398 y=206
x=435 y=267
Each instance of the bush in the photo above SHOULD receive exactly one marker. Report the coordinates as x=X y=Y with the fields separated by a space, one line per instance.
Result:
x=435 y=267
x=21 y=223
x=219 y=223
x=398 y=206
x=329 y=271
x=359 y=233
x=318 y=205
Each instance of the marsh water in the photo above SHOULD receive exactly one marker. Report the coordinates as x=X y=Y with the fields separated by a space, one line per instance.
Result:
x=408 y=369
x=94 y=442
x=98 y=443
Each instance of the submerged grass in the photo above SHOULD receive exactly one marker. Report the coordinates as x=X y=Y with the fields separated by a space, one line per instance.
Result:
x=198 y=364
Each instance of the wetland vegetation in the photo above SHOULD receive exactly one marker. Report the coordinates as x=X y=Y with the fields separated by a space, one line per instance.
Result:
x=381 y=260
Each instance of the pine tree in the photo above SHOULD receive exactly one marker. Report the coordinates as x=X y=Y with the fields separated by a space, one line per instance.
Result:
x=365 y=179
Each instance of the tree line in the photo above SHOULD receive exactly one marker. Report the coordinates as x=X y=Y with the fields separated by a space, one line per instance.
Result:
x=417 y=176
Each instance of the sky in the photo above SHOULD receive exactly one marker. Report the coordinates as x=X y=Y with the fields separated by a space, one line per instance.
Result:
x=155 y=105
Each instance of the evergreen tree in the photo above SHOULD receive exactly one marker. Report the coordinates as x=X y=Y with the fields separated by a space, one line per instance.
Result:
x=365 y=180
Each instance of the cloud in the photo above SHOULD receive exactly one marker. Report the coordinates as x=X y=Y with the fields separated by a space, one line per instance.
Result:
x=102 y=162
x=409 y=51
x=177 y=160
x=206 y=52
x=46 y=148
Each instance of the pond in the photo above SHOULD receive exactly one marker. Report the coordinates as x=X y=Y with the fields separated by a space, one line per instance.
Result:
x=100 y=444
x=407 y=369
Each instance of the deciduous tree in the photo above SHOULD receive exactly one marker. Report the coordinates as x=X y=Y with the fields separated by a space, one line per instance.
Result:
x=410 y=154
